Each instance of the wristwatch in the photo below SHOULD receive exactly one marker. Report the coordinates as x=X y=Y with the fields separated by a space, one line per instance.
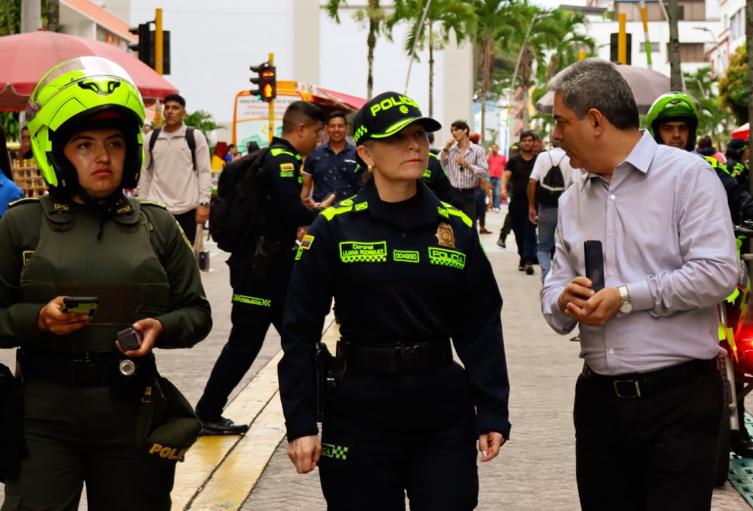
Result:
x=626 y=306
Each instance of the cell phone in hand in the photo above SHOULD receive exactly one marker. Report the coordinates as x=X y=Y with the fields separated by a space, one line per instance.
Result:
x=81 y=304
x=129 y=338
x=594 y=263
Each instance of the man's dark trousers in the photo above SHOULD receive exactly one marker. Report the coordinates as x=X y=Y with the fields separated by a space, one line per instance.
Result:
x=650 y=453
x=187 y=222
x=465 y=200
x=251 y=316
x=525 y=232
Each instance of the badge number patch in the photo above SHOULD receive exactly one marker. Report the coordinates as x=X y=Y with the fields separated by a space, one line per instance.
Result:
x=363 y=251
x=406 y=256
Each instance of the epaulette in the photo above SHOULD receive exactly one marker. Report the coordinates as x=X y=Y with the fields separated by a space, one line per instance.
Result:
x=155 y=204
x=276 y=151
x=446 y=210
x=25 y=200
x=344 y=206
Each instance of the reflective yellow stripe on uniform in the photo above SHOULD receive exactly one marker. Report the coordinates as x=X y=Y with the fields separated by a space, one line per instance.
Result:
x=333 y=211
x=252 y=300
x=276 y=151
x=456 y=212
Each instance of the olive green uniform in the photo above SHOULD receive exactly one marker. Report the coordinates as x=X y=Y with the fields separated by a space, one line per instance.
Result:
x=76 y=427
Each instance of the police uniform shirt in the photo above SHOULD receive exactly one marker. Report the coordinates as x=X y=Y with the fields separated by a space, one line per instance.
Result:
x=282 y=181
x=436 y=179
x=412 y=271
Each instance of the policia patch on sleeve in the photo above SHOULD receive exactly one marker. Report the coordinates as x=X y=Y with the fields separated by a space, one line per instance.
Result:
x=306 y=243
x=287 y=170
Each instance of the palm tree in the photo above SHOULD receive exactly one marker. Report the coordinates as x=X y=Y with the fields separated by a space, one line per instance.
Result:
x=451 y=15
x=497 y=20
x=375 y=14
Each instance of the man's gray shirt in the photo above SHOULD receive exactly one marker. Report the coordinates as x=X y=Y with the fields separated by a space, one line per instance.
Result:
x=667 y=235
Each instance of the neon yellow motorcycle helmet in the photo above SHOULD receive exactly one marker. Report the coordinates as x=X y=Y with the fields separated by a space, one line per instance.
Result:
x=673 y=106
x=83 y=93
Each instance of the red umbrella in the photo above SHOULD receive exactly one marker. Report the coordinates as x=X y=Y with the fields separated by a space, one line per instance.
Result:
x=25 y=58
x=742 y=132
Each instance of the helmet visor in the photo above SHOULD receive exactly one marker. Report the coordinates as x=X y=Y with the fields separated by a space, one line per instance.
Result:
x=87 y=66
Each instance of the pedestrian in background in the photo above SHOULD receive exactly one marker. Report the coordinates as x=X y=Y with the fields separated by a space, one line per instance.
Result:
x=9 y=190
x=403 y=418
x=497 y=164
x=465 y=164
x=177 y=170
x=551 y=175
x=260 y=267
x=738 y=155
x=515 y=185
x=24 y=150
x=331 y=168
x=83 y=394
x=649 y=400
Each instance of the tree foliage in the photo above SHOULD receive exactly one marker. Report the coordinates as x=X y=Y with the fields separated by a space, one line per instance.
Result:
x=713 y=118
x=734 y=85
x=201 y=120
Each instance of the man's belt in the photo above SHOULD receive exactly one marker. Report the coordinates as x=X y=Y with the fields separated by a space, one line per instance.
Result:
x=77 y=368
x=636 y=385
x=400 y=357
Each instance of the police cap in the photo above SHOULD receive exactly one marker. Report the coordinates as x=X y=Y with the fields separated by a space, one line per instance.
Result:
x=386 y=115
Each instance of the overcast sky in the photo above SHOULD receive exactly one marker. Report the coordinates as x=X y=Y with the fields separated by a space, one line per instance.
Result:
x=214 y=42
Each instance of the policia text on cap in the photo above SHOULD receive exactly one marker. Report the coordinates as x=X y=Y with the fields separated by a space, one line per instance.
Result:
x=403 y=417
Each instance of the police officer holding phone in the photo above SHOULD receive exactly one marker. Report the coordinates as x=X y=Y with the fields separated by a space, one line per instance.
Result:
x=409 y=278
x=76 y=267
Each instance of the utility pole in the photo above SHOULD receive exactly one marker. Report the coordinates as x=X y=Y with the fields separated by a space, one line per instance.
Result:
x=31 y=15
x=675 y=73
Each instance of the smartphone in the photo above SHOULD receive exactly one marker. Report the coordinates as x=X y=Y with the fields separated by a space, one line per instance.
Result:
x=594 y=263
x=81 y=304
x=129 y=338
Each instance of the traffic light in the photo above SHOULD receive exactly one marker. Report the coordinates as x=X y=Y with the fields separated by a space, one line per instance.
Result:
x=614 y=47
x=145 y=46
x=266 y=81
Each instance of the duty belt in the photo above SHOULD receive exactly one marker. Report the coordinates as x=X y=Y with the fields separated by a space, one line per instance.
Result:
x=77 y=368
x=636 y=385
x=400 y=357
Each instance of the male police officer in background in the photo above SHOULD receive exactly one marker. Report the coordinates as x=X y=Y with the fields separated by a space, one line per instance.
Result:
x=260 y=269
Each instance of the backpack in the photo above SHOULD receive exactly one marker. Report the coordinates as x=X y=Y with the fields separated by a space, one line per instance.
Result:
x=551 y=187
x=236 y=210
x=190 y=140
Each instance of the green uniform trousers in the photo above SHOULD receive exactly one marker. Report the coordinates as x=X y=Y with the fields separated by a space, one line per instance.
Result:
x=78 y=435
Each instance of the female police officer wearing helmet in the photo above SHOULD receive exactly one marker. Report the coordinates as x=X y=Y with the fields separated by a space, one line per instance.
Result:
x=86 y=238
x=408 y=274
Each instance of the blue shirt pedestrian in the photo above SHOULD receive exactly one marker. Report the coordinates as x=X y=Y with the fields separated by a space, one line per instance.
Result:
x=9 y=192
x=333 y=172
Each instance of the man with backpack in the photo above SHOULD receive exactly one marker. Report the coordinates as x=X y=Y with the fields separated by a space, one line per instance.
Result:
x=177 y=170
x=551 y=174
x=255 y=218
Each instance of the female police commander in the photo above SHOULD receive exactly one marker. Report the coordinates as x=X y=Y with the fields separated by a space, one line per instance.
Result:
x=82 y=392
x=408 y=274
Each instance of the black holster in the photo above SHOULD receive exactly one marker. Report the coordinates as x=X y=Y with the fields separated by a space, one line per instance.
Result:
x=329 y=372
x=12 y=445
